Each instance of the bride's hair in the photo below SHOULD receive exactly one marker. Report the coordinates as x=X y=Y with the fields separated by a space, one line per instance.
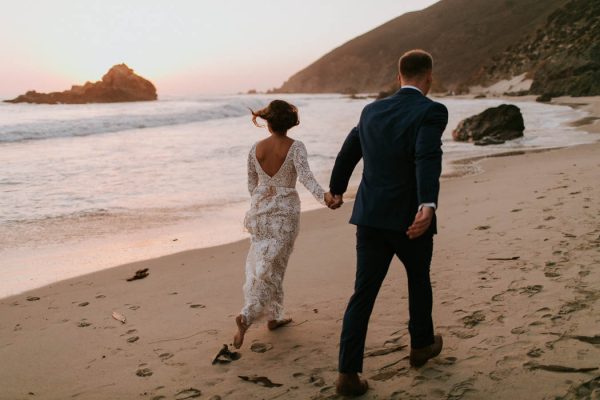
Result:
x=280 y=115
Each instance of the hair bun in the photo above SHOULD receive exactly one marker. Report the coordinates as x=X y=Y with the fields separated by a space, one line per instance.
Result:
x=280 y=115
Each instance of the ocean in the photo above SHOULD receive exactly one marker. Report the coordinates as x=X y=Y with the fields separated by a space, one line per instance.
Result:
x=88 y=187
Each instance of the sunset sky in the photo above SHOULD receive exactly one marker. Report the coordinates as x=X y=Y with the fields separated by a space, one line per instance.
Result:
x=184 y=47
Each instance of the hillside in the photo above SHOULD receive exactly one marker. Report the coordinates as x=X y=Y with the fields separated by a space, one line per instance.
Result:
x=562 y=57
x=462 y=35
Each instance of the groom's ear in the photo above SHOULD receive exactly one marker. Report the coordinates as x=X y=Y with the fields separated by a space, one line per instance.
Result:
x=399 y=77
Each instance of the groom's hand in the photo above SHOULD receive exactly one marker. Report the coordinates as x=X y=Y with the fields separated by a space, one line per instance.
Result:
x=328 y=199
x=421 y=223
x=333 y=201
x=338 y=200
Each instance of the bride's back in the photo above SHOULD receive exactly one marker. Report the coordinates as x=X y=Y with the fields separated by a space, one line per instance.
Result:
x=272 y=152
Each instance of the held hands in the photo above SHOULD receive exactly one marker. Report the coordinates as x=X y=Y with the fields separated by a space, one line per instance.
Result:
x=333 y=201
x=421 y=223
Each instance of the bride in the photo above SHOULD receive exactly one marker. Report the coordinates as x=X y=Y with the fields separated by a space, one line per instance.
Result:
x=274 y=164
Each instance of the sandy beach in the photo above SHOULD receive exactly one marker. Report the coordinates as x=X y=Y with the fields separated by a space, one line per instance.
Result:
x=516 y=290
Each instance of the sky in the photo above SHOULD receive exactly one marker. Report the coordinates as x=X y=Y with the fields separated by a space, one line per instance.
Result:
x=183 y=46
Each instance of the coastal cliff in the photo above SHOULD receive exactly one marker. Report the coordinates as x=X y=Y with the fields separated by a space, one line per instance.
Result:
x=462 y=35
x=562 y=57
x=552 y=46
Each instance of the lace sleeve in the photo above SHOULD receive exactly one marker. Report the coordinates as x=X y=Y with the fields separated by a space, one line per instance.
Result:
x=252 y=174
x=305 y=176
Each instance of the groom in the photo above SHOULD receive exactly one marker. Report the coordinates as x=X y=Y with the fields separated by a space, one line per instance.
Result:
x=399 y=140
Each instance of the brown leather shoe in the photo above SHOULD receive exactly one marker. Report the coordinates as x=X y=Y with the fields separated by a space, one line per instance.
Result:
x=351 y=385
x=418 y=357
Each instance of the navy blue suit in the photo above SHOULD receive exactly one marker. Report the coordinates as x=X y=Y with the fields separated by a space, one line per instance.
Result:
x=399 y=140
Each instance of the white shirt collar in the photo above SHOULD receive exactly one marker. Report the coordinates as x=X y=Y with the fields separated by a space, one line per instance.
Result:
x=411 y=87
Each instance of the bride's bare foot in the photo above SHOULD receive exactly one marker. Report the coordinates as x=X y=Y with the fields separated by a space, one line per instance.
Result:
x=274 y=324
x=238 y=339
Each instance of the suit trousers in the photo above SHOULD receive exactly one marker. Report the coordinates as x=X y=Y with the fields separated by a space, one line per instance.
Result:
x=375 y=249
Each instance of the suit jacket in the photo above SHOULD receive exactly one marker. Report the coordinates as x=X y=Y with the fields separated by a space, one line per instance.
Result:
x=399 y=140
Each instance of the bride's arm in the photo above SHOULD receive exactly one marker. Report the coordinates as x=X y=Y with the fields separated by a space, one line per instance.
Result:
x=305 y=175
x=252 y=174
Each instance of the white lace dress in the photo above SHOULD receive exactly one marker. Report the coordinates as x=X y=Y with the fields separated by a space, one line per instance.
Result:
x=273 y=221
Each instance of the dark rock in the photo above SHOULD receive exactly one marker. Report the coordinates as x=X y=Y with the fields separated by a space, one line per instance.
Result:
x=139 y=274
x=517 y=93
x=544 y=98
x=488 y=140
x=384 y=93
x=119 y=84
x=493 y=126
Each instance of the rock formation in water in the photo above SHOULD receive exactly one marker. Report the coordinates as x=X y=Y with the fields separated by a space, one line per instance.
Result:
x=493 y=126
x=119 y=84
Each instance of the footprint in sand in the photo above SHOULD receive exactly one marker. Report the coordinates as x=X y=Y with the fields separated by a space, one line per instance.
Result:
x=498 y=297
x=165 y=356
x=133 y=339
x=32 y=298
x=197 y=306
x=570 y=307
x=550 y=270
x=432 y=373
x=83 y=323
x=323 y=390
x=385 y=375
x=535 y=352
x=470 y=321
x=463 y=334
x=531 y=290
x=190 y=393
x=500 y=374
x=585 y=390
x=404 y=395
x=316 y=380
x=144 y=372
x=519 y=330
x=460 y=389
x=445 y=360
x=85 y=303
x=259 y=347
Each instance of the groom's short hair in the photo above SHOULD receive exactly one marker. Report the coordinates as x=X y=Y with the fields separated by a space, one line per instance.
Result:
x=414 y=63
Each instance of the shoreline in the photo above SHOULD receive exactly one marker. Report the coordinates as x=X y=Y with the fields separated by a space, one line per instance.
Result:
x=467 y=166
x=494 y=314
x=471 y=168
